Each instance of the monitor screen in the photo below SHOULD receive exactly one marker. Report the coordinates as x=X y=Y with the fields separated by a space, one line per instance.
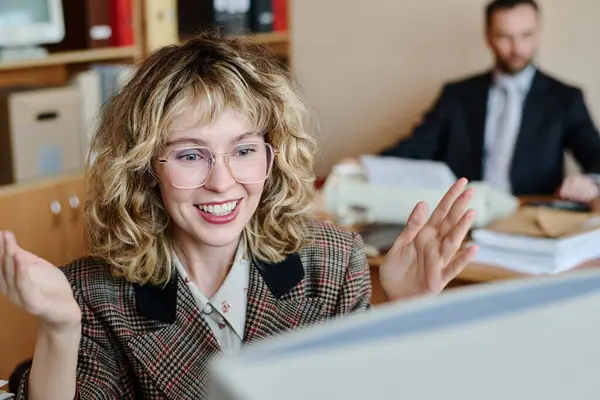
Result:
x=15 y=13
x=27 y=24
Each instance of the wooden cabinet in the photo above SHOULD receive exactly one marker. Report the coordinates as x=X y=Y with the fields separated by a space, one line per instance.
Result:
x=71 y=194
x=27 y=212
x=47 y=219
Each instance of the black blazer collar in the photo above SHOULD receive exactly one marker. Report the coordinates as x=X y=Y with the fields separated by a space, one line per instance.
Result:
x=160 y=302
x=476 y=98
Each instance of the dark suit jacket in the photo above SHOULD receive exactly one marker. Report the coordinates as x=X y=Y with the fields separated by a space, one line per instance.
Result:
x=554 y=119
x=147 y=342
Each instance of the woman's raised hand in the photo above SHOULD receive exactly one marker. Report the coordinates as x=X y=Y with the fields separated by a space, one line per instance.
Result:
x=36 y=285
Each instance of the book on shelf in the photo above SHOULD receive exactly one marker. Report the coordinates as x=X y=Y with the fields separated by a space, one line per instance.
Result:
x=233 y=17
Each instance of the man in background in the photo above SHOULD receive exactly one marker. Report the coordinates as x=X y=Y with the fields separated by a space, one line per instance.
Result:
x=511 y=126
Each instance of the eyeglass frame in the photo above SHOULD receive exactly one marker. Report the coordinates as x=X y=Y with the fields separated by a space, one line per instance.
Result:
x=165 y=160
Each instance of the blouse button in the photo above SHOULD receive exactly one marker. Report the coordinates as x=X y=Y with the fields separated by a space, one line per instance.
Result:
x=208 y=308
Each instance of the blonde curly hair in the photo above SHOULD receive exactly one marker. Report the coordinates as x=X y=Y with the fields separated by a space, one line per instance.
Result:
x=126 y=223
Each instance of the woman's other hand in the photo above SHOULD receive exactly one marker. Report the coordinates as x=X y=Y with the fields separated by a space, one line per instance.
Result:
x=428 y=254
x=36 y=286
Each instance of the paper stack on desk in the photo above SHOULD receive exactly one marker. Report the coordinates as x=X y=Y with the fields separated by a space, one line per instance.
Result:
x=404 y=172
x=520 y=339
x=538 y=240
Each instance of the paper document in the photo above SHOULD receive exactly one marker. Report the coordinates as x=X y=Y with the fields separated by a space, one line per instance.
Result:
x=536 y=255
x=520 y=339
x=394 y=171
x=3 y=394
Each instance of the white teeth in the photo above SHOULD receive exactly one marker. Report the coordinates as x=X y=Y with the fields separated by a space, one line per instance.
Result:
x=219 y=209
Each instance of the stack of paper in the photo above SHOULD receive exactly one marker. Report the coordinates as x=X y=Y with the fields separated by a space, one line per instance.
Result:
x=520 y=339
x=534 y=255
x=404 y=172
x=539 y=241
x=3 y=394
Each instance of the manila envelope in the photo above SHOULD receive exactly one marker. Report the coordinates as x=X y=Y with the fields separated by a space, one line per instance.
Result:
x=546 y=222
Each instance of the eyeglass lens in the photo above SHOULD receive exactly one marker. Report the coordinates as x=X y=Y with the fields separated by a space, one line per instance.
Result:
x=247 y=162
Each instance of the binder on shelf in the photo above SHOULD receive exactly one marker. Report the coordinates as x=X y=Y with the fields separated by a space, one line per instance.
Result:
x=194 y=16
x=89 y=85
x=161 y=23
x=261 y=16
x=279 y=15
x=121 y=21
x=87 y=25
x=232 y=17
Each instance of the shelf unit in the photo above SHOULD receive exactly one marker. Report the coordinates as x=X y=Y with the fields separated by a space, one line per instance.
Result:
x=57 y=68
x=278 y=42
x=74 y=57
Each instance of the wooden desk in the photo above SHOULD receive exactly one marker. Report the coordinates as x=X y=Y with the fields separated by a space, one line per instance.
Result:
x=472 y=274
x=480 y=273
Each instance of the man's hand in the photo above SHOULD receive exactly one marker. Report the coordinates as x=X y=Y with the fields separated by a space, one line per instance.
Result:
x=579 y=187
x=350 y=161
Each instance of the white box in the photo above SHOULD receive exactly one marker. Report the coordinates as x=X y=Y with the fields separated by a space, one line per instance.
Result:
x=40 y=133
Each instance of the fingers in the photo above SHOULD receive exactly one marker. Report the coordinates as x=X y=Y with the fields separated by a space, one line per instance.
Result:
x=456 y=212
x=11 y=266
x=10 y=250
x=447 y=202
x=21 y=281
x=3 y=260
x=459 y=263
x=414 y=224
x=456 y=236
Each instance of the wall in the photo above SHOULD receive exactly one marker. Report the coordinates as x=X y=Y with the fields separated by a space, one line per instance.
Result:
x=370 y=68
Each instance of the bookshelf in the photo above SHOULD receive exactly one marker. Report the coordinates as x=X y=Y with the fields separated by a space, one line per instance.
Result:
x=57 y=68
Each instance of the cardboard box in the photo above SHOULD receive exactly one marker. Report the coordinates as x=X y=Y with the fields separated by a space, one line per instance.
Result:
x=40 y=133
x=532 y=338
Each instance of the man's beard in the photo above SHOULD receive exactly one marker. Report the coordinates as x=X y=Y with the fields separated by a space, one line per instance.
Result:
x=509 y=69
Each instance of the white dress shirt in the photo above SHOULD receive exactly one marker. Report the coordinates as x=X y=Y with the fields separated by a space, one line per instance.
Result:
x=225 y=312
x=495 y=105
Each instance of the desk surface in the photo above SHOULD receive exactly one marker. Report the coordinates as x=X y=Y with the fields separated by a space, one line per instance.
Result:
x=477 y=272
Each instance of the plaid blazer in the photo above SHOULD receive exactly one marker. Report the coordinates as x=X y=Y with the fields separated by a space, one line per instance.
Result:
x=148 y=342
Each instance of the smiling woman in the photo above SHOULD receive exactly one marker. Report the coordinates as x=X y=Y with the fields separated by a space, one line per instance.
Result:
x=195 y=102
x=200 y=237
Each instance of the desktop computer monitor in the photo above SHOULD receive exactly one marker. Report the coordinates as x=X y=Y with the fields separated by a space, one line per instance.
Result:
x=27 y=24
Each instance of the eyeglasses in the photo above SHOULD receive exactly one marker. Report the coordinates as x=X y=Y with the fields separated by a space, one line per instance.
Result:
x=190 y=167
